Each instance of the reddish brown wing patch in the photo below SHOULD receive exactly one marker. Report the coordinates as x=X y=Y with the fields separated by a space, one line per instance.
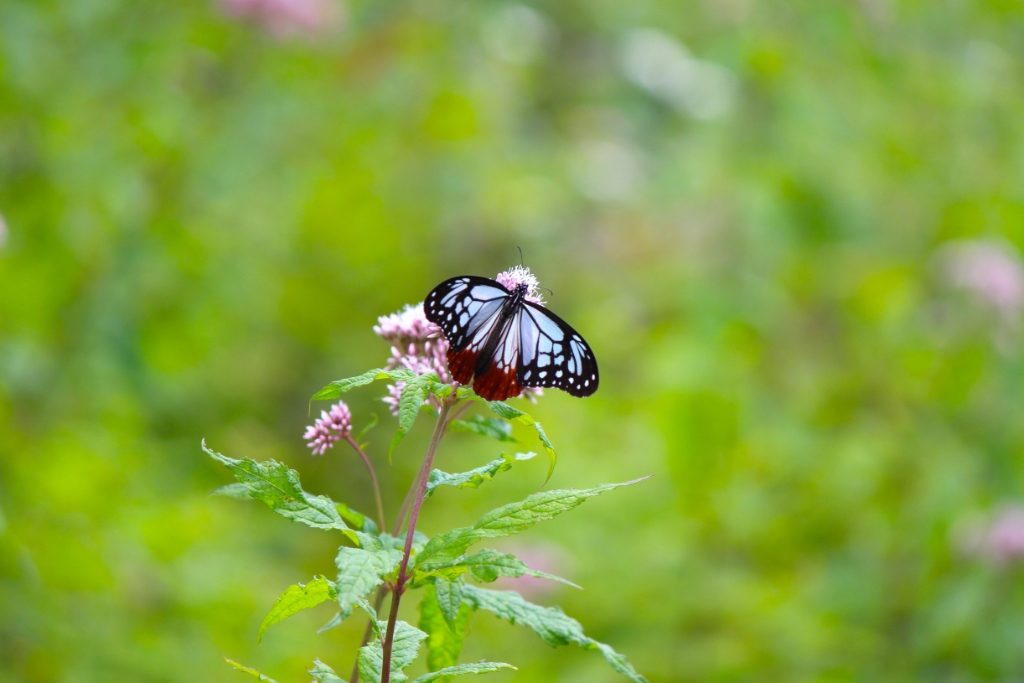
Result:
x=461 y=364
x=496 y=385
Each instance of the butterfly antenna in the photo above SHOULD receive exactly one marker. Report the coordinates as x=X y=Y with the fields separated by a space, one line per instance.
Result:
x=520 y=250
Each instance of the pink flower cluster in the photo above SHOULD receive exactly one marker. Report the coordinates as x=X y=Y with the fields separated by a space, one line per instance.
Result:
x=1000 y=539
x=286 y=18
x=416 y=344
x=521 y=275
x=992 y=271
x=332 y=426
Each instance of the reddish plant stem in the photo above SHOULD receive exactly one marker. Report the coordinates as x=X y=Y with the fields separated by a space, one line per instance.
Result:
x=378 y=599
x=373 y=478
x=414 y=513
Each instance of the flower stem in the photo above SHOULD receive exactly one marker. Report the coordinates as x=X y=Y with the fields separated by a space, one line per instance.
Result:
x=414 y=513
x=378 y=599
x=373 y=478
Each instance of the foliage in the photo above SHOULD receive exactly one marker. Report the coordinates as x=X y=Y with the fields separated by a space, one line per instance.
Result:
x=193 y=209
x=440 y=564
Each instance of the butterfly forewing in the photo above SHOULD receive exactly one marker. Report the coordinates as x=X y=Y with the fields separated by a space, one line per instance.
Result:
x=466 y=309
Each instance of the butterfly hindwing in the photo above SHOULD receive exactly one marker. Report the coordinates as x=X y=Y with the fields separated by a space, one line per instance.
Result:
x=467 y=310
x=497 y=378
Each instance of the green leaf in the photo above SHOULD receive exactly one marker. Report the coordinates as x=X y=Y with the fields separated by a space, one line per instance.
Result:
x=249 y=670
x=356 y=519
x=361 y=570
x=333 y=623
x=236 y=490
x=449 y=599
x=413 y=395
x=462 y=670
x=477 y=476
x=341 y=386
x=488 y=565
x=322 y=673
x=279 y=488
x=297 y=598
x=507 y=412
x=404 y=648
x=505 y=521
x=553 y=625
x=492 y=427
x=444 y=642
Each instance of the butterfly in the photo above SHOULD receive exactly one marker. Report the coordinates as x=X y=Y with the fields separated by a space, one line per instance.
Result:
x=503 y=343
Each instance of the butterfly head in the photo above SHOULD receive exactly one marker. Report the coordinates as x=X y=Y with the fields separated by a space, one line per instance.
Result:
x=522 y=283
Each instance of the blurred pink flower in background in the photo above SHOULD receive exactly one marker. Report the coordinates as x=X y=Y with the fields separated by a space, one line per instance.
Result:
x=999 y=539
x=287 y=18
x=541 y=556
x=991 y=270
x=332 y=426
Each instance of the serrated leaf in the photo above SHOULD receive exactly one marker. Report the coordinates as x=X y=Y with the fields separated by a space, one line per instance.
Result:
x=444 y=642
x=278 y=486
x=249 y=670
x=297 y=598
x=413 y=395
x=441 y=390
x=473 y=478
x=322 y=673
x=507 y=412
x=489 y=565
x=553 y=625
x=449 y=599
x=492 y=427
x=463 y=669
x=341 y=386
x=404 y=648
x=505 y=521
x=361 y=570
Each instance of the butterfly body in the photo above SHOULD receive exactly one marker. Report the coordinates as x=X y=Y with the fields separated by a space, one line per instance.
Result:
x=502 y=342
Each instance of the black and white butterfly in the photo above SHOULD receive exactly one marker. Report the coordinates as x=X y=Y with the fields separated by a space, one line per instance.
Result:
x=502 y=343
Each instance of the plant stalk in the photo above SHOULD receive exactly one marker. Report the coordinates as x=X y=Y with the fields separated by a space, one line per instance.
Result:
x=414 y=513
x=373 y=478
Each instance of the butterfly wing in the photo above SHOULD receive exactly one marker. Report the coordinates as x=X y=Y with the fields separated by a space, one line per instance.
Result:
x=553 y=354
x=501 y=354
x=467 y=309
x=498 y=377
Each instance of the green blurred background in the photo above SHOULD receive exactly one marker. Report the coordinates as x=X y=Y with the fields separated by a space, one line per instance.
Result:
x=788 y=229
